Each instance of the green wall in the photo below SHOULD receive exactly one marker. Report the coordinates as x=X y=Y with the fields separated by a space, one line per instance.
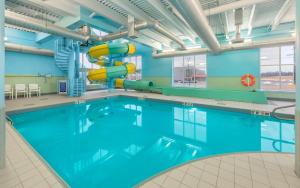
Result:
x=226 y=69
x=48 y=85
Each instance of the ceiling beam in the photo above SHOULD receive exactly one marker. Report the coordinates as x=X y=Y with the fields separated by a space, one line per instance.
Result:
x=151 y=34
x=149 y=42
x=250 y=22
x=156 y=4
x=132 y=10
x=142 y=16
x=112 y=15
x=283 y=10
x=232 y=6
x=65 y=7
x=102 y=10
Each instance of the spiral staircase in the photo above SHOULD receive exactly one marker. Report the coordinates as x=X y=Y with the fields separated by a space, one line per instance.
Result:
x=67 y=60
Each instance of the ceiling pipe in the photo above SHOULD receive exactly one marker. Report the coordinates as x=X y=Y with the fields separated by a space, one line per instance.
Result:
x=27 y=49
x=38 y=25
x=238 y=46
x=192 y=12
x=144 y=25
x=232 y=6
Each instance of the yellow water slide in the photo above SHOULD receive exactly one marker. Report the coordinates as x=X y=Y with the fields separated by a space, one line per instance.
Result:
x=119 y=69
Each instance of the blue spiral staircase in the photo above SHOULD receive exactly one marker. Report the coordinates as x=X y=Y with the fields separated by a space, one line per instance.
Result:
x=67 y=60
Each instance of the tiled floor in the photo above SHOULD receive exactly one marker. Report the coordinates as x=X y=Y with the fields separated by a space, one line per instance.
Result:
x=257 y=170
x=25 y=169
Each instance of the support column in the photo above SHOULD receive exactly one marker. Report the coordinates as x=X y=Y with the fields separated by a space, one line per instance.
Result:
x=297 y=115
x=2 y=73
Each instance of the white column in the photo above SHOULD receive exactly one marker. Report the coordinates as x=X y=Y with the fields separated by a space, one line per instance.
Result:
x=297 y=115
x=2 y=72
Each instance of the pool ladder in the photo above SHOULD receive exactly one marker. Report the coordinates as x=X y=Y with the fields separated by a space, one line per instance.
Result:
x=273 y=113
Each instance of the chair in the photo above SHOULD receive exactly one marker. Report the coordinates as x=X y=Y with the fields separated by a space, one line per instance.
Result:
x=34 y=88
x=21 y=88
x=9 y=91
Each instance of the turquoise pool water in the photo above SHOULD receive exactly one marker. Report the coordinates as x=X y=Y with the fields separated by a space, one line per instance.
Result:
x=121 y=141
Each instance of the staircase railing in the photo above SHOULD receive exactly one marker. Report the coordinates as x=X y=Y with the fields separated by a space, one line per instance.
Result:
x=64 y=50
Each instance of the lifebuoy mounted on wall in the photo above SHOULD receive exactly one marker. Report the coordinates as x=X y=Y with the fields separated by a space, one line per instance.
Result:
x=248 y=80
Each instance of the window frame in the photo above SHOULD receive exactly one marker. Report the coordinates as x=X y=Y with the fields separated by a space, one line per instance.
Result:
x=280 y=65
x=138 y=63
x=196 y=65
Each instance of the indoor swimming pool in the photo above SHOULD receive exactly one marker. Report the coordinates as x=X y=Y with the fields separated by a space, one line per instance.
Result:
x=121 y=141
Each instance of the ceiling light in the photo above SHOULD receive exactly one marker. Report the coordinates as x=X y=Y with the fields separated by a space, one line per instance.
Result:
x=168 y=50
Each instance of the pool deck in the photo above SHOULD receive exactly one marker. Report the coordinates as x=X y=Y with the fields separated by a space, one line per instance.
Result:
x=247 y=170
x=24 y=168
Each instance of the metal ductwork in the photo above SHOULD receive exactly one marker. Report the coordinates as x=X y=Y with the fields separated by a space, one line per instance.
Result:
x=38 y=25
x=28 y=49
x=140 y=26
x=192 y=12
x=238 y=46
x=42 y=26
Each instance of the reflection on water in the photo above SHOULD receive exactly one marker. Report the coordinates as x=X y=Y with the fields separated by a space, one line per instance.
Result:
x=121 y=141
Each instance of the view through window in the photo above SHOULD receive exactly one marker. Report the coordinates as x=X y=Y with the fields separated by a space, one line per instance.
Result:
x=137 y=60
x=277 y=68
x=189 y=71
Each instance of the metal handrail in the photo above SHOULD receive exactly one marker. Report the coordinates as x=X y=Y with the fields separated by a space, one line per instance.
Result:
x=273 y=113
x=10 y=120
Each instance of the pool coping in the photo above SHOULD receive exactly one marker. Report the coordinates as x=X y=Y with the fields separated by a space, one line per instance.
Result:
x=48 y=166
x=179 y=100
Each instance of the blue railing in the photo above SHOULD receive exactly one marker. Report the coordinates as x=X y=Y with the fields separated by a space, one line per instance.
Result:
x=67 y=60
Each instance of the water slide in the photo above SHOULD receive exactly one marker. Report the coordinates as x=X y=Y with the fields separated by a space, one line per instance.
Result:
x=119 y=70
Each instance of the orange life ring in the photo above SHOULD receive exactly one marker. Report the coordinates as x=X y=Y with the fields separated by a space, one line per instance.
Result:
x=248 y=80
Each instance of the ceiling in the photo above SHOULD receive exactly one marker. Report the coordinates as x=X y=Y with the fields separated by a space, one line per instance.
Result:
x=159 y=10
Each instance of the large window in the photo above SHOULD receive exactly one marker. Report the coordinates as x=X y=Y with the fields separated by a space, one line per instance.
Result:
x=189 y=71
x=137 y=60
x=277 y=68
x=85 y=62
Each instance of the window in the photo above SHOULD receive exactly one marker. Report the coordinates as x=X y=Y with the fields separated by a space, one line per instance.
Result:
x=137 y=60
x=84 y=62
x=189 y=71
x=99 y=32
x=277 y=68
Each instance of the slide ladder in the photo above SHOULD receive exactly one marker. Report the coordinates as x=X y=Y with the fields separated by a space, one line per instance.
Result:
x=67 y=60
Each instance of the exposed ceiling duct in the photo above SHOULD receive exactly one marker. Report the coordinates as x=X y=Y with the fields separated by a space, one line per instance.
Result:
x=27 y=49
x=38 y=25
x=238 y=46
x=238 y=19
x=232 y=6
x=192 y=12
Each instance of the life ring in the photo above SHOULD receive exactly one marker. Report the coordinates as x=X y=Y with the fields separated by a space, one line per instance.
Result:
x=248 y=80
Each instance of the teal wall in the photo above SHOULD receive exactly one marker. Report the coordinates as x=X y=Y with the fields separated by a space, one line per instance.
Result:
x=30 y=64
x=226 y=69
x=31 y=68
x=157 y=70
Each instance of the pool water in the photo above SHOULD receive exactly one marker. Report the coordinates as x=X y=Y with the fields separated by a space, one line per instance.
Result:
x=121 y=141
